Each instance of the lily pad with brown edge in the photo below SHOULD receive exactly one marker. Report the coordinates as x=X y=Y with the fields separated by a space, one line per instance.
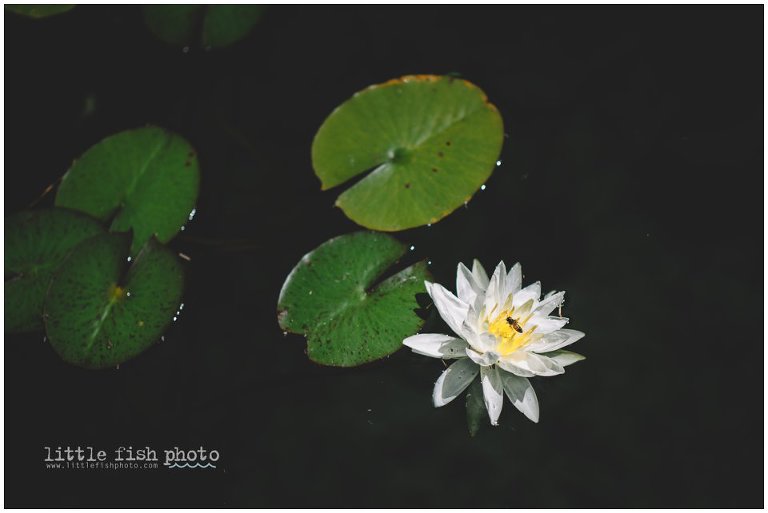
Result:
x=36 y=242
x=102 y=309
x=145 y=180
x=428 y=141
x=342 y=297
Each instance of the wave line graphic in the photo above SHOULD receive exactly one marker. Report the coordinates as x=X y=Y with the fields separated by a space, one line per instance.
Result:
x=195 y=465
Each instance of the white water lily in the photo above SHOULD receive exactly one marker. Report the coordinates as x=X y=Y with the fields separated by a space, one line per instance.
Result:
x=505 y=334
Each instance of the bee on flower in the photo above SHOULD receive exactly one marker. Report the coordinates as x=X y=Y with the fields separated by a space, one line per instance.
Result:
x=504 y=333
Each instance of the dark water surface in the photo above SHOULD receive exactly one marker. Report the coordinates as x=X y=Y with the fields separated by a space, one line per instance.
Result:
x=631 y=178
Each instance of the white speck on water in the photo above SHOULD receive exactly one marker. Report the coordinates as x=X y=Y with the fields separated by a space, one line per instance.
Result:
x=498 y=163
x=174 y=319
x=412 y=248
x=183 y=228
x=482 y=187
x=129 y=259
x=185 y=49
x=429 y=262
x=192 y=214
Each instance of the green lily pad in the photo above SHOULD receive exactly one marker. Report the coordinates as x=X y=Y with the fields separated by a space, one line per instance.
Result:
x=36 y=242
x=335 y=297
x=102 y=310
x=38 y=10
x=210 y=25
x=431 y=142
x=145 y=180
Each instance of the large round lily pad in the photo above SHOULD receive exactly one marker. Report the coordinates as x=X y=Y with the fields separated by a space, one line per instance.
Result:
x=36 y=242
x=102 y=310
x=145 y=180
x=208 y=25
x=430 y=142
x=336 y=297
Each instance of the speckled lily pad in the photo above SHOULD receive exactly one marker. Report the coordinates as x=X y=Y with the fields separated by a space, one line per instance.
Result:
x=36 y=241
x=102 y=310
x=145 y=180
x=428 y=141
x=335 y=297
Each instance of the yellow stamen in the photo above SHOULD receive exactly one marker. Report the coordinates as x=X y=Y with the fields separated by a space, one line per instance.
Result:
x=511 y=339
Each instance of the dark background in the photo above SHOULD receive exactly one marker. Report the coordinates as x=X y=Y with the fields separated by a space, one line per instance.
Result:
x=631 y=178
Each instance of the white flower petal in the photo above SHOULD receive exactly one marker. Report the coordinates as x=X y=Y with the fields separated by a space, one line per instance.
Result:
x=565 y=358
x=484 y=359
x=452 y=309
x=555 y=340
x=480 y=342
x=549 y=303
x=469 y=331
x=467 y=287
x=524 y=309
x=479 y=273
x=522 y=395
x=494 y=294
x=546 y=325
x=473 y=318
x=512 y=367
x=493 y=394
x=514 y=279
x=521 y=361
x=453 y=381
x=532 y=291
x=437 y=345
x=487 y=342
x=549 y=294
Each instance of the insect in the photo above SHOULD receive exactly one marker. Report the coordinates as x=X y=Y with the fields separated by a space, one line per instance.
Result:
x=516 y=325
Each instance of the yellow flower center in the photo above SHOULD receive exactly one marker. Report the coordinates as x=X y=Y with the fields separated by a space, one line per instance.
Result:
x=116 y=293
x=511 y=330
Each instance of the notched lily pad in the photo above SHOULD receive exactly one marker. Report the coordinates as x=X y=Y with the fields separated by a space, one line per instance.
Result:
x=102 y=310
x=209 y=25
x=36 y=242
x=336 y=297
x=430 y=141
x=145 y=180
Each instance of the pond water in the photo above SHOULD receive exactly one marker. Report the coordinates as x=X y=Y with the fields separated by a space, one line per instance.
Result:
x=629 y=178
